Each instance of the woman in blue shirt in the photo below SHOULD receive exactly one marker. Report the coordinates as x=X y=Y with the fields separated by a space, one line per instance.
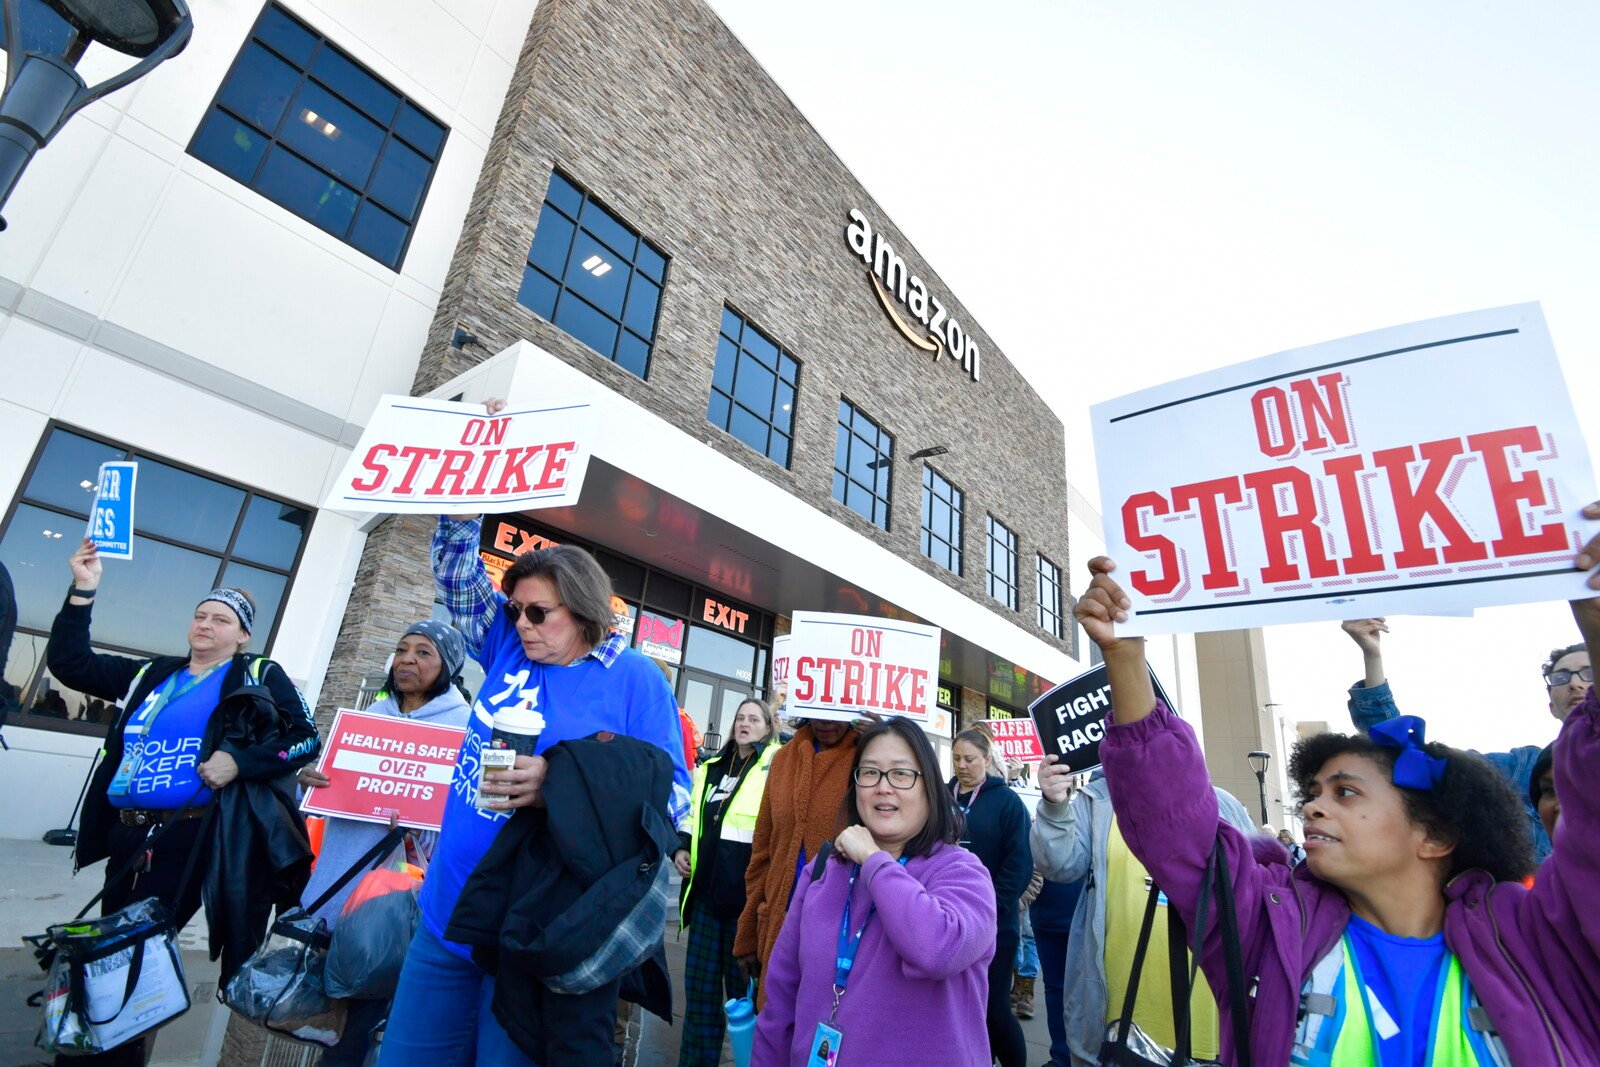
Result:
x=545 y=641
x=165 y=754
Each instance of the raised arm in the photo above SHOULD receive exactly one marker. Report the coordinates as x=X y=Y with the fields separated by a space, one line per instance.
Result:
x=462 y=580
x=1370 y=700
x=70 y=659
x=1166 y=807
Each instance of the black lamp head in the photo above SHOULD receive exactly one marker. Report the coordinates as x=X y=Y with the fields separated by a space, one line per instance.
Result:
x=132 y=27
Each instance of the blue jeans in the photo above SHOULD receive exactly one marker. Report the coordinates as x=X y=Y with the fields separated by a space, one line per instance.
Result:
x=441 y=1015
x=1053 y=964
x=1027 y=962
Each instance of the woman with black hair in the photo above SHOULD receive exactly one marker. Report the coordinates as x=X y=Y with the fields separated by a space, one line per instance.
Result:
x=995 y=829
x=1405 y=937
x=884 y=953
x=424 y=686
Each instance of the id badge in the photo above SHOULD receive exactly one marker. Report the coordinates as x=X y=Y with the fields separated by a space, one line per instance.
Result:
x=825 y=1047
x=125 y=772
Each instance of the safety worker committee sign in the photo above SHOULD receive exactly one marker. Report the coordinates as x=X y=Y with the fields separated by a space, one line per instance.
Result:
x=422 y=456
x=1429 y=468
x=844 y=666
x=378 y=765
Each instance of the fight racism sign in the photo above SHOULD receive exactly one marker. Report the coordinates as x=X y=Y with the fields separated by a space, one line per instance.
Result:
x=843 y=666
x=420 y=456
x=378 y=765
x=1071 y=718
x=1430 y=468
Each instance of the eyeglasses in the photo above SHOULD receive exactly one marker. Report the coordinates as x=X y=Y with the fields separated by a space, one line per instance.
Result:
x=1559 y=678
x=534 y=612
x=899 y=777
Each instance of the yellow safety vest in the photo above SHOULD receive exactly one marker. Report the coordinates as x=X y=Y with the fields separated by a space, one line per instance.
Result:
x=738 y=814
x=1336 y=1027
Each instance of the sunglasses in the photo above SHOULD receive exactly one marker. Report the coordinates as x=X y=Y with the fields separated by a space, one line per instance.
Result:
x=536 y=615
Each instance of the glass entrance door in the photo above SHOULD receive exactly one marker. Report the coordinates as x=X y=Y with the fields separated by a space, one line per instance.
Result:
x=711 y=701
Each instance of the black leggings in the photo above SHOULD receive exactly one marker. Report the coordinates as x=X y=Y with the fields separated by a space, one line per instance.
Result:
x=1006 y=1043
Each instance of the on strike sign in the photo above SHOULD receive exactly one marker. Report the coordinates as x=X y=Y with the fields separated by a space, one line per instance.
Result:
x=1429 y=468
x=421 y=456
x=842 y=666
x=1071 y=718
x=1016 y=740
x=383 y=764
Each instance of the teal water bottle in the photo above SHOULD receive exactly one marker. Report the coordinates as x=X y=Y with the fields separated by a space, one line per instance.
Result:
x=742 y=1026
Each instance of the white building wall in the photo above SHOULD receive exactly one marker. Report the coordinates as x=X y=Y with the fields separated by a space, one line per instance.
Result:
x=146 y=297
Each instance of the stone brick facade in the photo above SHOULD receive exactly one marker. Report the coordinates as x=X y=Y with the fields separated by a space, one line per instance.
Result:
x=656 y=110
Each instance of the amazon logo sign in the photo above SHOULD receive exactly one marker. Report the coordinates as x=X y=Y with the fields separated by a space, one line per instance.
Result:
x=892 y=281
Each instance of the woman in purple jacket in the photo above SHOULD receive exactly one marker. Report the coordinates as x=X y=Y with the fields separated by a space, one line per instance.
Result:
x=883 y=956
x=1392 y=944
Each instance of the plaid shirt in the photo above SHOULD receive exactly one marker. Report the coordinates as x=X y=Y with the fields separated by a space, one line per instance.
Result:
x=472 y=600
x=626 y=947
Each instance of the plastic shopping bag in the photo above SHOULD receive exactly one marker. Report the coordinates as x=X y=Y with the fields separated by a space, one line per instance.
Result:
x=111 y=980
x=281 y=986
x=372 y=934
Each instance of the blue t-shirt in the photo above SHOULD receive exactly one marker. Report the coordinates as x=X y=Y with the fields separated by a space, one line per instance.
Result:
x=167 y=761
x=629 y=697
x=1403 y=976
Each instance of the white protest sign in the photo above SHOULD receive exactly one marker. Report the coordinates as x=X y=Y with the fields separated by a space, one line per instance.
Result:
x=1422 y=469
x=437 y=456
x=843 y=666
x=111 y=514
x=780 y=662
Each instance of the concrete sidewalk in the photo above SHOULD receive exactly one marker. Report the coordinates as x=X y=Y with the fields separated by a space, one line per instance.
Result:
x=37 y=888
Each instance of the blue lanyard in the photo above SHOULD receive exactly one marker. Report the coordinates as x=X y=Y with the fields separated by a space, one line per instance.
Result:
x=166 y=695
x=848 y=944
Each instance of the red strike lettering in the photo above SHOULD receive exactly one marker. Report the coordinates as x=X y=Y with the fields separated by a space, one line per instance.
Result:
x=867 y=685
x=380 y=473
x=1285 y=501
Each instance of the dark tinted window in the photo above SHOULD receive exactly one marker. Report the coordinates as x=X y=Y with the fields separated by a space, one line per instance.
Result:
x=753 y=388
x=191 y=534
x=1050 y=598
x=313 y=131
x=941 y=520
x=1002 y=563
x=862 y=457
x=592 y=275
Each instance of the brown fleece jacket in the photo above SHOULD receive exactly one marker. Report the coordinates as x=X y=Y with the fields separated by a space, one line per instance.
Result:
x=801 y=808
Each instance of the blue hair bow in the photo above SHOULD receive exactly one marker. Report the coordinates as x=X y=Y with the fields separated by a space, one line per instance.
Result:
x=1413 y=768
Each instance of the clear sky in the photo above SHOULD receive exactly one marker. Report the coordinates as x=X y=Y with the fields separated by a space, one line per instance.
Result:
x=1130 y=192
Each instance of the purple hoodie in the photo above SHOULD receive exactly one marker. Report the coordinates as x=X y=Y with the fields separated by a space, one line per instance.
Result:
x=920 y=980
x=1532 y=955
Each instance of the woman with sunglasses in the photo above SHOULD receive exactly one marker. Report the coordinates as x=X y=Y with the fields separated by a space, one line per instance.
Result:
x=884 y=953
x=545 y=641
x=1406 y=936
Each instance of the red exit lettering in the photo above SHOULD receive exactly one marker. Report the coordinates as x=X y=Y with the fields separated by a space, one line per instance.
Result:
x=525 y=540
x=723 y=615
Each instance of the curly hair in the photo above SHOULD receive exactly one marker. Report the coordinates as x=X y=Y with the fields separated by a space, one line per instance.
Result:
x=1559 y=654
x=1474 y=808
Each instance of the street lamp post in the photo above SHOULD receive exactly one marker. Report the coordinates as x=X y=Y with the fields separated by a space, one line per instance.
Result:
x=43 y=90
x=1258 y=763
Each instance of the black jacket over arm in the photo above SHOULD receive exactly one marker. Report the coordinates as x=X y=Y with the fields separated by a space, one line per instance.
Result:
x=558 y=882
